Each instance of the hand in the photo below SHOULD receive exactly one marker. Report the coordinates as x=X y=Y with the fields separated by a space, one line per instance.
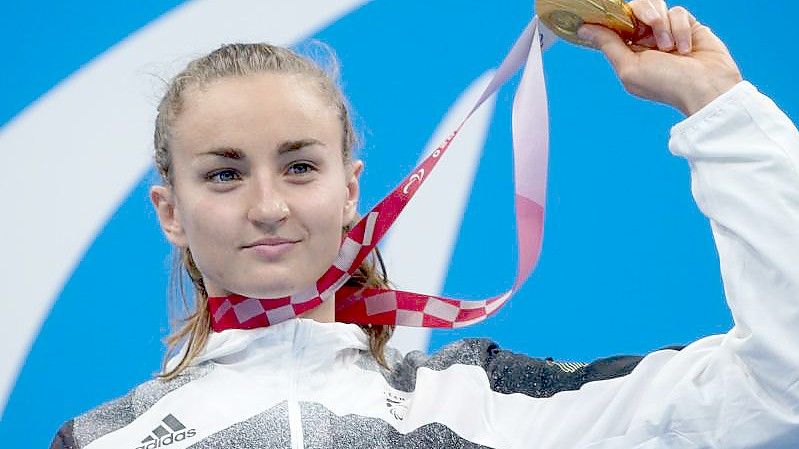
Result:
x=695 y=74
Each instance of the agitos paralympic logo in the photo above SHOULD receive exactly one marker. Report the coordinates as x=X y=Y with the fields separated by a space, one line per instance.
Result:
x=169 y=431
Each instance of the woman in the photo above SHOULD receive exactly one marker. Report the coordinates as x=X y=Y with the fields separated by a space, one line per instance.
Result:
x=254 y=147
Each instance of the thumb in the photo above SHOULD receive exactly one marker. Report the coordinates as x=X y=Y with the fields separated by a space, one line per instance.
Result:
x=609 y=43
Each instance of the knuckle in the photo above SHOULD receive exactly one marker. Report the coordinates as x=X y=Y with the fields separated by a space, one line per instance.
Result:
x=638 y=6
x=679 y=21
x=658 y=22
x=678 y=10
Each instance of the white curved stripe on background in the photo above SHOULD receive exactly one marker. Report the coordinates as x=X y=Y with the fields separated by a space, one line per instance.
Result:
x=420 y=244
x=78 y=150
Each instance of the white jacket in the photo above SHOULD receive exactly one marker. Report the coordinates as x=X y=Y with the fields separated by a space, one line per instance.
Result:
x=305 y=384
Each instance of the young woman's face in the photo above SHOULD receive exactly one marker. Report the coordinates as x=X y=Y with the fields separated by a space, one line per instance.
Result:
x=260 y=189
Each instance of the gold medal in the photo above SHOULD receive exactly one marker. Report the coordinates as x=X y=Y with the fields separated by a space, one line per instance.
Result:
x=565 y=17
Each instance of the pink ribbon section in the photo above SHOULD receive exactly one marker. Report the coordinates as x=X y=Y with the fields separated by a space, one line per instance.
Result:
x=530 y=129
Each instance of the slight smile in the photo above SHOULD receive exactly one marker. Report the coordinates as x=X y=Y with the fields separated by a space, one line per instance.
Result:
x=271 y=248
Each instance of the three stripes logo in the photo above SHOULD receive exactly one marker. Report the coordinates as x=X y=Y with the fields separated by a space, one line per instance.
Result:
x=169 y=431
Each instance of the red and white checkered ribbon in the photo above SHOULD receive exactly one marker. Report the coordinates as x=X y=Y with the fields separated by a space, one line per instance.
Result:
x=530 y=129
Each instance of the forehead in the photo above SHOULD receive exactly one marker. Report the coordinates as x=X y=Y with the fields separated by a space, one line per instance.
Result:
x=254 y=112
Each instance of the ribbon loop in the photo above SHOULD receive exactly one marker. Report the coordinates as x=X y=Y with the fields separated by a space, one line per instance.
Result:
x=530 y=129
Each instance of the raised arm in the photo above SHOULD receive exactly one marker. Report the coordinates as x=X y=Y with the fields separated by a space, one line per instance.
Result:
x=744 y=158
x=740 y=389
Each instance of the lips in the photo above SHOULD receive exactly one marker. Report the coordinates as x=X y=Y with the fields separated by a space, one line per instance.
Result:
x=271 y=241
x=271 y=248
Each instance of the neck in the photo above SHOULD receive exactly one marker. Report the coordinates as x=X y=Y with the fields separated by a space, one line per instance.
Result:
x=324 y=313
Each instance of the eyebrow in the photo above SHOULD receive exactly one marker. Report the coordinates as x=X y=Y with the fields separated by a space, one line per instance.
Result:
x=285 y=147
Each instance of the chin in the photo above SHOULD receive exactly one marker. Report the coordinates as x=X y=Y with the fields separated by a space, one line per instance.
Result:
x=279 y=290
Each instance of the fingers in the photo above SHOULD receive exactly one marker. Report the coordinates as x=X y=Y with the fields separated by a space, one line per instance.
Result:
x=682 y=28
x=702 y=38
x=671 y=28
x=693 y=34
x=655 y=14
x=663 y=32
x=609 y=43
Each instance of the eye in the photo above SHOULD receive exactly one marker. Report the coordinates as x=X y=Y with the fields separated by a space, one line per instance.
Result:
x=222 y=176
x=300 y=168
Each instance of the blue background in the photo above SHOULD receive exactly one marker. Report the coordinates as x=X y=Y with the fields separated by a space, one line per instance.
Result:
x=628 y=263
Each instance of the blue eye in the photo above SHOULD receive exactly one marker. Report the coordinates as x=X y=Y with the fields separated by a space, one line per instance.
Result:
x=300 y=168
x=226 y=175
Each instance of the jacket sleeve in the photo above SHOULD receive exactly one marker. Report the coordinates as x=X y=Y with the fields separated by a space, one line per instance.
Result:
x=744 y=158
x=737 y=390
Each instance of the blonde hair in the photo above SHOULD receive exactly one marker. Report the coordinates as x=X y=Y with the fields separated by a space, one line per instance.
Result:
x=236 y=60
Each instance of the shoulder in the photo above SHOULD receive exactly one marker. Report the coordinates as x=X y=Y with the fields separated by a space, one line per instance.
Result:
x=509 y=372
x=119 y=412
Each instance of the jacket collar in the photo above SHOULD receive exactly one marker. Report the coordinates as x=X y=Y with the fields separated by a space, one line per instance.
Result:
x=314 y=339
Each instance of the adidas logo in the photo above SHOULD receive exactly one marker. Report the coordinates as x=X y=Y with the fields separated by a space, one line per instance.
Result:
x=169 y=431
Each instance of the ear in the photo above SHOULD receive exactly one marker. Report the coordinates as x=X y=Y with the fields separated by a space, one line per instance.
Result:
x=163 y=200
x=353 y=191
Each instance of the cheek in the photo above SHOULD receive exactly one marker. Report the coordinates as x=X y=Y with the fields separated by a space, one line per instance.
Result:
x=323 y=208
x=208 y=221
x=326 y=210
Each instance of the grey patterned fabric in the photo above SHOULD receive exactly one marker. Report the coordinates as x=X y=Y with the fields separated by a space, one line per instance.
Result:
x=506 y=371
x=509 y=372
x=120 y=412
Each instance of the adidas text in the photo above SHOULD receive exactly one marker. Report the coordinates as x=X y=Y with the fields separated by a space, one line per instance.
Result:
x=169 y=439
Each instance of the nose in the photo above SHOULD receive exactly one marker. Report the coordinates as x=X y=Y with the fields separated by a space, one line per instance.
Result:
x=267 y=204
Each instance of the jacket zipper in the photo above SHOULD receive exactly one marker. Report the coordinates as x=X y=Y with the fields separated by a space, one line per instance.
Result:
x=295 y=416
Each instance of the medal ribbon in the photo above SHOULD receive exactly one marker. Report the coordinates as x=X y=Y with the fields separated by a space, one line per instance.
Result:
x=530 y=130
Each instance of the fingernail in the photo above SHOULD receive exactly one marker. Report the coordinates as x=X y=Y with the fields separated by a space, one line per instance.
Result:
x=585 y=34
x=665 y=41
x=683 y=47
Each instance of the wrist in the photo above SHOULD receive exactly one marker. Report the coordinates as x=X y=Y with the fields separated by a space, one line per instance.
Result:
x=702 y=94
